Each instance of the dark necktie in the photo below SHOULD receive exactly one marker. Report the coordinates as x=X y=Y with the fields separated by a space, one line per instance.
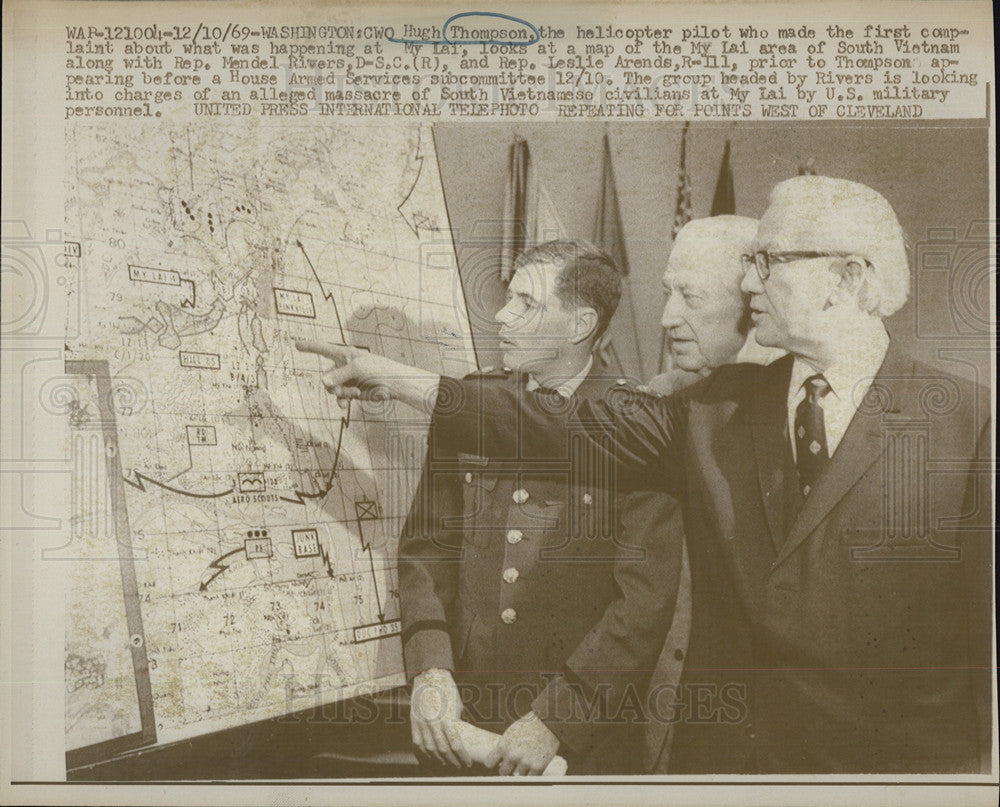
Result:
x=810 y=433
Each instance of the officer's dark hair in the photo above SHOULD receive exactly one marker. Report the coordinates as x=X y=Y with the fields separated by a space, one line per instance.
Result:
x=588 y=276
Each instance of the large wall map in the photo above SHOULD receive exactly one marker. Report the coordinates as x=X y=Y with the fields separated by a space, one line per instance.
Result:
x=254 y=522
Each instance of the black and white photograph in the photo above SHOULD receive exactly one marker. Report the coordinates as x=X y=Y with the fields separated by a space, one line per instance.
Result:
x=634 y=436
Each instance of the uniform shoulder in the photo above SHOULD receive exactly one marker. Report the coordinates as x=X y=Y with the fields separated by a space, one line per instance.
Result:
x=489 y=372
x=673 y=380
x=635 y=386
x=738 y=380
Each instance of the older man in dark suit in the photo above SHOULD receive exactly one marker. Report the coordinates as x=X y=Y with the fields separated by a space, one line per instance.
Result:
x=706 y=318
x=837 y=501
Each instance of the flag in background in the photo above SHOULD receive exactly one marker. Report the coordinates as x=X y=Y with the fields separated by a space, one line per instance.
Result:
x=529 y=216
x=515 y=200
x=619 y=347
x=724 y=201
x=682 y=212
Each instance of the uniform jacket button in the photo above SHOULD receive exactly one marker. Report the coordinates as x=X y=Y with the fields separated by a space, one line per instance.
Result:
x=510 y=575
x=468 y=478
x=520 y=496
x=514 y=536
x=587 y=499
x=509 y=616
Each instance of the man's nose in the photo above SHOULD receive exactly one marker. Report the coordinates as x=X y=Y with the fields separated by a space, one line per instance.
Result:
x=751 y=283
x=671 y=313
x=503 y=316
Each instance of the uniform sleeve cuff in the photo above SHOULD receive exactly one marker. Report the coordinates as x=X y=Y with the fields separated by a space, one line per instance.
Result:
x=427 y=649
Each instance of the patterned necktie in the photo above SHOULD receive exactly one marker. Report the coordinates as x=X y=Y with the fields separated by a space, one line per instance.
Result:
x=810 y=433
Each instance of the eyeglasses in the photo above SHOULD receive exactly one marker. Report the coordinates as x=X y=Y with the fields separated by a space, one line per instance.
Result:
x=762 y=260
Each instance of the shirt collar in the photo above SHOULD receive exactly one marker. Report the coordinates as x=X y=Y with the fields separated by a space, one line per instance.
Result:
x=851 y=376
x=568 y=387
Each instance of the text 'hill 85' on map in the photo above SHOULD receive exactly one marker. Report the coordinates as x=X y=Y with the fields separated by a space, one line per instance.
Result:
x=233 y=551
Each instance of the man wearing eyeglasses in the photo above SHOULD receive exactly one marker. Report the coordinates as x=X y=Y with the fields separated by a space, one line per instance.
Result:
x=837 y=504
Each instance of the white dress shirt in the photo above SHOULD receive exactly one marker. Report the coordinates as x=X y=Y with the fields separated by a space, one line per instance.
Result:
x=849 y=379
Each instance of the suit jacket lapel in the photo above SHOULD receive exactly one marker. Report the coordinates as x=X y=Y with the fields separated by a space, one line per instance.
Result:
x=860 y=446
x=769 y=424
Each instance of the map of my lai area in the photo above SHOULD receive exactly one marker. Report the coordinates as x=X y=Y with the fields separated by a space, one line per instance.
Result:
x=233 y=529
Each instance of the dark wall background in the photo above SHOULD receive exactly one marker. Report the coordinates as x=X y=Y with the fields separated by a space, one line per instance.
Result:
x=936 y=176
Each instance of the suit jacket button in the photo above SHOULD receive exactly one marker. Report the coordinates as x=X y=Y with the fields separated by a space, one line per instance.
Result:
x=509 y=616
x=514 y=536
x=510 y=575
x=520 y=496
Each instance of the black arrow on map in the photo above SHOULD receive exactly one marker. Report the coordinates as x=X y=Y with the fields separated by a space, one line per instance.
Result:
x=378 y=599
x=326 y=295
x=415 y=220
x=141 y=479
x=366 y=512
x=219 y=565
x=300 y=497
x=325 y=556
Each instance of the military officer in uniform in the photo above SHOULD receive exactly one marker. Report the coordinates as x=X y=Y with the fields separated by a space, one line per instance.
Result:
x=527 y=588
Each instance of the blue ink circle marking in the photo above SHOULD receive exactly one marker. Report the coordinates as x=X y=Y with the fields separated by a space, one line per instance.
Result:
x=450 y=20
x=446 y=41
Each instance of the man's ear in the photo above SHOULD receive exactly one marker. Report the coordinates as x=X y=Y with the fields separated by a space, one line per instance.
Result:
x=586 y=324
x=853 y=276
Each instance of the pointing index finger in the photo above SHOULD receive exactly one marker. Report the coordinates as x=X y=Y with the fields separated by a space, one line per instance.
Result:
x=338 y=353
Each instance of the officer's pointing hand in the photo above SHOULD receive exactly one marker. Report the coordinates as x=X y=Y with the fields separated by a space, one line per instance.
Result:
x=356 y=373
